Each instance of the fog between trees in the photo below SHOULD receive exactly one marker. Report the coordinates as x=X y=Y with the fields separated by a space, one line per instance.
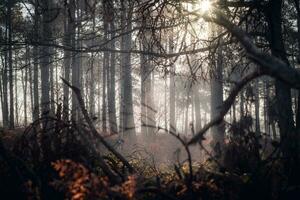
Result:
x=182 y=82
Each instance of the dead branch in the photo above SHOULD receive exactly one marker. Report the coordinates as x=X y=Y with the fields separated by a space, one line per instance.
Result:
x=93 y=130
x=269 y=64
x=225 y=107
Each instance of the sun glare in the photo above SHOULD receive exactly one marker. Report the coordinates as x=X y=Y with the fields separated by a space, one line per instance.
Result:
x=205 y=6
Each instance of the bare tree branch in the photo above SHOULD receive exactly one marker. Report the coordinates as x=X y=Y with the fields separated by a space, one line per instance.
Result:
x=268 y=64
x=95 y=133
x=225 y=107
x=98 y=48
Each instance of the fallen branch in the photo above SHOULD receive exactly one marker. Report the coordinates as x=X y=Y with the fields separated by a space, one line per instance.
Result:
x=93 y=130
x=111 y=175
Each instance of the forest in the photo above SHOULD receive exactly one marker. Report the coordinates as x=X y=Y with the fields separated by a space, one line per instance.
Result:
x=149 y=99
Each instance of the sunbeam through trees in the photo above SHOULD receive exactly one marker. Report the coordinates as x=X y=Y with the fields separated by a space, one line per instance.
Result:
x=149 y=99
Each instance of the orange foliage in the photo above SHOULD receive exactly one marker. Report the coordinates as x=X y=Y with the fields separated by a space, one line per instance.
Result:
x=80 y=183
x=127 y=189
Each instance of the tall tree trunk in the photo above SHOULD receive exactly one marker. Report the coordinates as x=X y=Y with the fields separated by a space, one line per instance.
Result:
x=111 y=72
x=30 y=79
x=57 y=85
x=51 y=79
x=217 y=131
x=1 y=86
x=186 y=115
x=75 y=63
x=165 y=103
x=92 y=86
x=172 y=109
x=297 y=5
x=283 y=91
x=16 y=109
x=242 y=104
x=266 y=107
x=25 y=82
x=234 y=112
x=151 y=110
x=36 y=107
x=197 y=104
x=192 y=123
x=104 y=90
x=46 y=57
x=182 y=119
x=92 y=78
x=105 y=66
x=143 y=90
x=127 y=104
x=69 y=35
x=257 y=115
x=10 y=65
x=5 y=113
x=147 y=80
x=99 y=95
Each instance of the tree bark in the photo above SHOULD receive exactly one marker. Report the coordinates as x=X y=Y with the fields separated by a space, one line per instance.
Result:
x=76 y=60
x=172 y=109
x=127 y=104
x=25 y=83
x=10 y=65
x=283 y=91
x=298 y=59
x=30 y=79
x=16 y=109
x=1 y=87
x=197 y=104
x=266 y=107
x=147 y=81
x=69 y=37
x=112 y=72
x=5 y=113
x=92 y=78
x=36 y=105
x=46 y=57
x=105 y=67
x=143 y=89
x=257 y=114
x=218 y=132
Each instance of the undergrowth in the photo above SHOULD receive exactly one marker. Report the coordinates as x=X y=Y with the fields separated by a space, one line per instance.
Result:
x=60 y=162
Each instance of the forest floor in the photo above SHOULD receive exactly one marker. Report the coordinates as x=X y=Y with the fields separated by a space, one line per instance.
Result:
x=67 y=169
